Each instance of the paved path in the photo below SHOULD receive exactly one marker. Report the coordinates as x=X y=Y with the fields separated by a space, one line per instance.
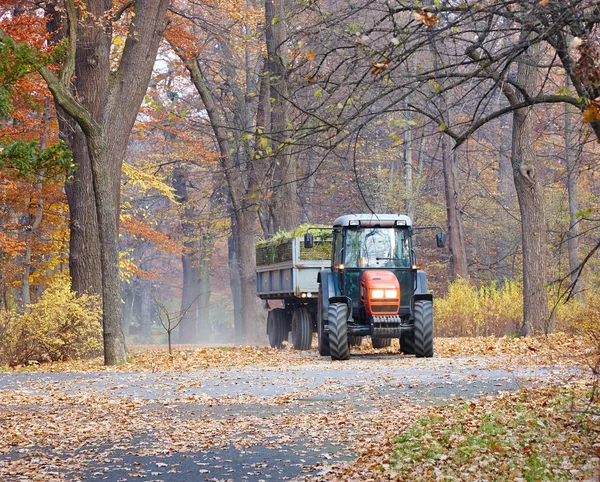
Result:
x=226 y=424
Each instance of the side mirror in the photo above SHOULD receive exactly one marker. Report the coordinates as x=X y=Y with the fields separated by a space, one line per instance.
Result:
x=308 y=240
x=440 y=240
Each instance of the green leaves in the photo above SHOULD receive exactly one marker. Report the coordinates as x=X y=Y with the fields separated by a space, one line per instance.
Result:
x=28 y=159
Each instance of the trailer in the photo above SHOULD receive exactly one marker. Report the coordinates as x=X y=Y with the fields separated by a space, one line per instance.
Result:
x=287 y=271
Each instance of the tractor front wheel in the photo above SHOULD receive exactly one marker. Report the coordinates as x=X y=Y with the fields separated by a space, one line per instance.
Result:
x=354 y=340
x=423 y=329
x=338 y=331
x=301 y=329
x=277 y=327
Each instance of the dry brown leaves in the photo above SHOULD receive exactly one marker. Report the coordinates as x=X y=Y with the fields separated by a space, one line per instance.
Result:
x=558 y=348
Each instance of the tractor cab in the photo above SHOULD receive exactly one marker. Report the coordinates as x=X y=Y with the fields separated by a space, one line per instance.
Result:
x=373 y=244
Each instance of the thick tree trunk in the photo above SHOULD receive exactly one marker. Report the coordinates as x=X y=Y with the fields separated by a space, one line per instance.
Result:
x=456 y=245
x=526 y=171
x=84 y=245
x=252 y=314
x=283 y=211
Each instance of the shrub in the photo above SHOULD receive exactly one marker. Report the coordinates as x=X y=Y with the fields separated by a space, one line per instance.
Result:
x=468 y=310
x=59 y=326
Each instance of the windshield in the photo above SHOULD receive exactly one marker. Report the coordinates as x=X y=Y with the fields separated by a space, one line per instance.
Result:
x=377 y=248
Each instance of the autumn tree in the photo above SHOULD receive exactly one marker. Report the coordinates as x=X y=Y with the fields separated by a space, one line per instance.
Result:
x=98 y=91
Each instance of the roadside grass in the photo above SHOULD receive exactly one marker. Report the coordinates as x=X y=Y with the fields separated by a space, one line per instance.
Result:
x=531 y=435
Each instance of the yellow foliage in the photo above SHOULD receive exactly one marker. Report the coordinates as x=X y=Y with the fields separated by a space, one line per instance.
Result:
x=58 y=327
x=467 y=310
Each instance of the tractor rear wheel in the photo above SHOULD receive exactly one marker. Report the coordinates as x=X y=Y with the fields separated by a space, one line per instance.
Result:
x=423 y=329
x=301 y=329
x=338 y=331
x=277 y=327
x=381 y=342
x=322 y=336
x=354 y=340
x=407 y=343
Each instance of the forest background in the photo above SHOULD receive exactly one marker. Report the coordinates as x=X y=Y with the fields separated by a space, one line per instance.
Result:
x=197 y=127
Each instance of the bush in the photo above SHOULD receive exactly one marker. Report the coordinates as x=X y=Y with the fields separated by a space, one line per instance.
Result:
x=59 y=326
x=468 y=310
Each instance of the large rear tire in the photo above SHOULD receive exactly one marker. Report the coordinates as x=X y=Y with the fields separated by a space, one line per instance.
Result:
x=423 y=329
x=323 y=337
x=338 y=331
x=277 y=327
x=301 y=329
x=381 y=342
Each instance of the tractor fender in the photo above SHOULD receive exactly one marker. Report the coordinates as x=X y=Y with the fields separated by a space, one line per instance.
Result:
x=328 y=290
x=421 y=287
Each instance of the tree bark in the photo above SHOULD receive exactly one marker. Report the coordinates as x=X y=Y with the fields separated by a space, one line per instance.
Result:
x=282 y=205
x=456 y=244
x=571 y=157
x=104 y=104
x=526 y=171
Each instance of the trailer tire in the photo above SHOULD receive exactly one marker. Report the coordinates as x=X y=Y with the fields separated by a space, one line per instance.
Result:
x=423 y=329
x=381 y=342
x=355 y=340
x=338 y=331
x=407 y=343
x=277 y=327
x=301 y=329
x=322 y=337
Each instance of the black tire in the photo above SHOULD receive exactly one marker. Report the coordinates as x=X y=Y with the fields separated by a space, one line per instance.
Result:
x=407 y=343
x=423 y=329
x=354 y=340
x=381 y=342
x=322 y=336
x=277 y=327
x=301 y=329
x=338 y=331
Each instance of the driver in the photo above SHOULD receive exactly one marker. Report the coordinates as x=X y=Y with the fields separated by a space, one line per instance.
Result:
x=377 y=245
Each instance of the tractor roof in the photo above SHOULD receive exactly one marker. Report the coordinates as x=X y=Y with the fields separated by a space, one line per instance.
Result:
x=373 y=220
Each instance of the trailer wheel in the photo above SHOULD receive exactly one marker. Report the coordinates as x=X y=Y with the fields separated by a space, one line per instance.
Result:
x=277 y=327
x=407 y=343
x=338 y=331
x=423 y=329
x=301 y=329
x=354 y=340
x=381 y=342
x=322 y=336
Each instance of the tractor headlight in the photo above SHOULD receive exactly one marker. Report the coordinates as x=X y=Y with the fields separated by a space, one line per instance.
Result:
x=377 y=294
x=391 y=294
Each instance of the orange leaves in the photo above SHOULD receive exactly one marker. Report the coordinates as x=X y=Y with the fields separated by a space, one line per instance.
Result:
x=592 y=112
x=426 y=18
x=136 y=227
x=379 y=67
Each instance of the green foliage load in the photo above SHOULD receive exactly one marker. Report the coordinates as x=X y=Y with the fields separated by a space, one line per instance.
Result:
x=59 y=326
x=278 y=248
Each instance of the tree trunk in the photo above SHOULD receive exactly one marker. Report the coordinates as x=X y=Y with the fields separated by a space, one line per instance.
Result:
x=252 y=315
x=189 y=261
x=456 y=245
x=571 y=157
x=283 y=203
x=103 y=103
x=526 y=171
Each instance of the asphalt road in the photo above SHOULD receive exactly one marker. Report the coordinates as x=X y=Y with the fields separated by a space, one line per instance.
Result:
x=269 y=423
